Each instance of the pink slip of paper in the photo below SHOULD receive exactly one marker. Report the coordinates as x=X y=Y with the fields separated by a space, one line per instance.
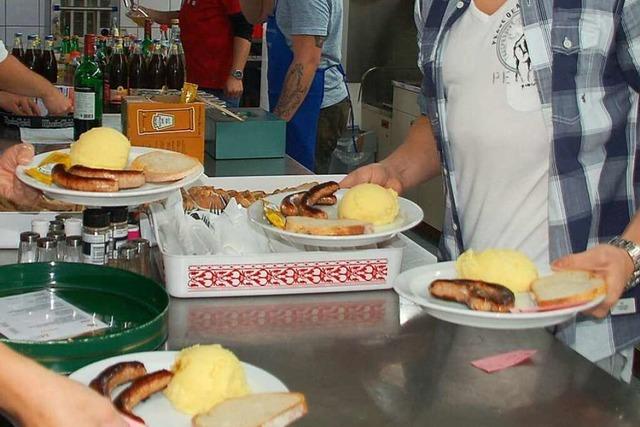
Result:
x=502 y=361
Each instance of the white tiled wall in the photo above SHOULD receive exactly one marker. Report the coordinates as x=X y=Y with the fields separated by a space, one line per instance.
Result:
x=25 y=16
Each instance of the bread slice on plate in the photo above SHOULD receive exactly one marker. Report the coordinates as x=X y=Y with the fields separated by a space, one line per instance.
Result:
x=326 y=227
x=255 y=410
x=164 y=166
x=567 y=288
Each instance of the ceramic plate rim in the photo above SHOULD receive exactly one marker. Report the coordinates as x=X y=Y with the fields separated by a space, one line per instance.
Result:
x=124 y=194
x=443 y=268
x=257 y=206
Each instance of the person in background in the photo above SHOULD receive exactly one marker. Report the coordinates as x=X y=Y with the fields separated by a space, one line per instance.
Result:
x=534 y=123
x=216 y=39
x=306 y=82
x=31 y=394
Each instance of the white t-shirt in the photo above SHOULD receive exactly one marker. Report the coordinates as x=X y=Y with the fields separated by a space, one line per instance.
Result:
x=500 y=147
x=3 y=52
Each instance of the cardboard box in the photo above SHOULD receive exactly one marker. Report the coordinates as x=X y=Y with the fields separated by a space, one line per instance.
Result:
x=261 y=135
x=162 y=122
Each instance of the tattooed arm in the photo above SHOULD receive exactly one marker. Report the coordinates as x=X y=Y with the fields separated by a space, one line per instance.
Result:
x=306 y=59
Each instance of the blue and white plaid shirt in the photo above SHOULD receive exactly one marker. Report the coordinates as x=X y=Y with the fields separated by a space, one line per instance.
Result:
x=586 y=58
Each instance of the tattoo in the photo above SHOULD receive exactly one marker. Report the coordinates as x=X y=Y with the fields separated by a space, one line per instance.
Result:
x=320 y=41
x=293 y=92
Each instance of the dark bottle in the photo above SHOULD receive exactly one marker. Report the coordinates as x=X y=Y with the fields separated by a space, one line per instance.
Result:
x=18 y=49
x=118 y=77
x=32 y=59
x=157 y=70
x=49 y=63
x=103 y=61
x=175 y=67
x=88 y=87
x=137 y=68
x=147 y=43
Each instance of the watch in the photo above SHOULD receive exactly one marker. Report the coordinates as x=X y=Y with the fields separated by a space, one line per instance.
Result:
x=238 y=74
x=633 y=249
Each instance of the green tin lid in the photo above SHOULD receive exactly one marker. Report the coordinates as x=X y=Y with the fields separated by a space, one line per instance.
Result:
x=134 y=306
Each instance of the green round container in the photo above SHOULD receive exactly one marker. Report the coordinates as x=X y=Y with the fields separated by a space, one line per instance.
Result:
x=135 y=307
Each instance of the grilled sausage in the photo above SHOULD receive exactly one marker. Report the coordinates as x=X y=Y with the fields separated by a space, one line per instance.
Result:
x=126 y=178
x=141 y=389
x=64 y=179
x=319 y=191
x=116 y=375
x=290 y=205
x=476 y=294
x=327 y=200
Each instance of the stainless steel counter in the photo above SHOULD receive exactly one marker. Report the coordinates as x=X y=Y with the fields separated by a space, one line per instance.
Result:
x=364 y=359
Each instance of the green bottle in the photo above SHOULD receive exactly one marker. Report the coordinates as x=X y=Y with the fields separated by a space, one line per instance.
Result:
x=88 y=87
x=147 y=42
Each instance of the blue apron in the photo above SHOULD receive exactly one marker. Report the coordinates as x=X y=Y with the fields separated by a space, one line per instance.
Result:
x=302 y=129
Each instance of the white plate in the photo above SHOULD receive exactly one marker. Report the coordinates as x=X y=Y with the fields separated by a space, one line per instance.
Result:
x=157 y=411
x=414 y=285
x=135 y=196
x=410 y=215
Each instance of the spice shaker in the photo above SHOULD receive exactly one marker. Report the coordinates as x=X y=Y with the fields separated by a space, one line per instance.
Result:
x=144 y=253
x=119 y=229
x=74 y=249
x=40 y=226
x=56 y=225
x=47 y=250
x=95 y=236
x=128 y=258
x=59 y=237
x=73 y=227
x=27 y=251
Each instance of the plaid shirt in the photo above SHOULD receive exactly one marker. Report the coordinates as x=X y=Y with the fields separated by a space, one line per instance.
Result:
x=585 y=55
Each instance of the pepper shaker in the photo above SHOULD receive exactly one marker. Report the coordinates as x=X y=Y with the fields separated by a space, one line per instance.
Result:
x=27 y=252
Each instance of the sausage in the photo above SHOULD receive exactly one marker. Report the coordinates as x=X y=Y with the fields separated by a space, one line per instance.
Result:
x=115 y=375
x=141 y=389
x=319 y=191
x=306 y=208
x=290 y=205
x=327 y=200
x=125 y=178
x=64 y=179
x=476 y=294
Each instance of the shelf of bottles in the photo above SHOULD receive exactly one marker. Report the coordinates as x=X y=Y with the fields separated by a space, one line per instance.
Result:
x=126 y=64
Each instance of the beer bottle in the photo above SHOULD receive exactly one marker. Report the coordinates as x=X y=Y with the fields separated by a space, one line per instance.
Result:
x=175 y=67
x=137 y=68
x=102 y=60
x=88 y=88
x=147 y=43
x=118 y=77
x=31 y=58
x=49 y=63
x=156 y=72
x=164 y=41
x=18 y=49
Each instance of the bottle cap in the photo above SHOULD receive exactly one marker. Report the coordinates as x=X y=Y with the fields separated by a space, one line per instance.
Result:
x=134 y=232
x=47 y=243
x=29 y=237
x=127 y=251
x=40 y=226
x=74 y=241
x=119 y=214
x=95 y=218
x=58 y=236
x=73 y=227
x=56 y=225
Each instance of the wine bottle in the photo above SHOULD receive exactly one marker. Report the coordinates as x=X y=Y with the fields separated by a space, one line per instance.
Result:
x=88 y=87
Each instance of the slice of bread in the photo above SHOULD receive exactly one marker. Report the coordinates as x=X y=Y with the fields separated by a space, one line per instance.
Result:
x=163 y=166
x=255 y=410
x=567 y=288
x=326 y=227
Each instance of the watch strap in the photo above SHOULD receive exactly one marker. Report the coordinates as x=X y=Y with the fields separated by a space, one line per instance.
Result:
x=633 y=250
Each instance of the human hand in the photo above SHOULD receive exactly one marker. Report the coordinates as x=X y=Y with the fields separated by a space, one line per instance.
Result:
x=18 y=105
x=233 y=88
x=56 y=103
x=375 y=173
x=10 y=186
x=611 y=263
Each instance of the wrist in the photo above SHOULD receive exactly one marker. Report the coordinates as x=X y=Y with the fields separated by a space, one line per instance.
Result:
x=237 y=73
x=629 y=251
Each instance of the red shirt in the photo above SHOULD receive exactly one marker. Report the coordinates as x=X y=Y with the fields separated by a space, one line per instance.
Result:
x=207 y=37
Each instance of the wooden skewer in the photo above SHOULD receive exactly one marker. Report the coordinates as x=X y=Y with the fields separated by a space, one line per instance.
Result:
x=223 y=109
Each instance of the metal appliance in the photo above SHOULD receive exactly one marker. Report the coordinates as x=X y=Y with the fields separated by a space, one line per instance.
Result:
x=83 y=16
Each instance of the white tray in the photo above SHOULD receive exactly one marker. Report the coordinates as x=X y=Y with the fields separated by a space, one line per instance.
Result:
x=311 y=271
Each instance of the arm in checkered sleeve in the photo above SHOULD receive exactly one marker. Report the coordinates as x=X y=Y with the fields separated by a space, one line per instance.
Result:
x=628 y=42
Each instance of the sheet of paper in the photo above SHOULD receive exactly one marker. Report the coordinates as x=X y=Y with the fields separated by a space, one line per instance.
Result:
x=44 y=316
x=502 y=361
x=64 y=135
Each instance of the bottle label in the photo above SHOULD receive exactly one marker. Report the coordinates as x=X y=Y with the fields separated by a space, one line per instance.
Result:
x=84 y=104
x=94 y=248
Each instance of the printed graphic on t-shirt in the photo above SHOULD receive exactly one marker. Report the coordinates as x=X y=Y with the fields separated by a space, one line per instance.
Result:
x=513 y=54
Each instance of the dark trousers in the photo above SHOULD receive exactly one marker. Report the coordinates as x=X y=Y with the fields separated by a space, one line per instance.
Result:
x=331 y=124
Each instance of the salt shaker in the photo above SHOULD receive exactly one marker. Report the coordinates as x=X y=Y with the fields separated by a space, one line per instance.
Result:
x=144 y=253
x=47 y=249
x=27 y=252
x=60 y=239
x=129 y=258
x=74 y=249
x=56 y=225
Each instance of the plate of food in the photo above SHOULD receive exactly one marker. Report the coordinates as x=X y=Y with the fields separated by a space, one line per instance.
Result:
x=102 y=169
x=327 y=216
x=500 y=289
x=201 y=386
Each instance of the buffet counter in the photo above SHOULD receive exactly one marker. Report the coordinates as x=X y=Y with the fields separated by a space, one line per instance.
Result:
x=369 y=359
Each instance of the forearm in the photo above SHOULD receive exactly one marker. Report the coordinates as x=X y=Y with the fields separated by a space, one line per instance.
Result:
x=632 y=232
x=18 y=79
x=417 y=159
x=241 y=48
x=15 y=376
x=295 y=88
x=256 y=11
